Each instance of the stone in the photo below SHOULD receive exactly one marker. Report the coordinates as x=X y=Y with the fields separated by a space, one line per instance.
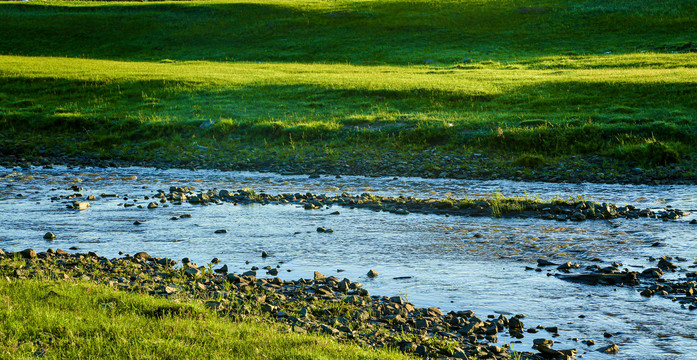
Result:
x=372 y=273
x=319 y=277
x=152 y=205
x=81 y=205
x=215 y=260
x=192 y=272
x=652 y=272
x=610 y=349
x=546 y=342
x=629 y=278
x=28 y=254
x=222 y=270
x=142 y=256
x=272 y=272
x=221 y=231
x=515 y=324
x=664 y=264
x=548 y=352
x=578 y=216
x=49 y=236
x=264 y=254
x=397 y=300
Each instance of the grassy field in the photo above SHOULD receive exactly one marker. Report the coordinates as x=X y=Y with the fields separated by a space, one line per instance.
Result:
x=535 y=86
x=75 y=320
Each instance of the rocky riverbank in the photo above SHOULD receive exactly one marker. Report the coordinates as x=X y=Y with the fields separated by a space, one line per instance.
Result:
x=427 y=164
x=329 y=305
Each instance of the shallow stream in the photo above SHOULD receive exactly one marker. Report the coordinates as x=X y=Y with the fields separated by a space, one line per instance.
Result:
x=456 y=263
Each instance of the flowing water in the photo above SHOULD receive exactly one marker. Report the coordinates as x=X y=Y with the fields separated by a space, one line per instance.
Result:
x=456 y=263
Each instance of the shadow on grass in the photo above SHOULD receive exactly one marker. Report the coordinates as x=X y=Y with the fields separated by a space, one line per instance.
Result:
x=395 y=32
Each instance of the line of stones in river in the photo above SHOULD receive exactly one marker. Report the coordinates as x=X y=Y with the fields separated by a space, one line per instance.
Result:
x=512 y=207
x=328 y=305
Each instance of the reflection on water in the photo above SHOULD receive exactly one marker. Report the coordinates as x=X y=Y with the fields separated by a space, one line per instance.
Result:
x=456 y=263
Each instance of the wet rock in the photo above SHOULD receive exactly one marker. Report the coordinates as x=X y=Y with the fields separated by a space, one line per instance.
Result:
x=137 y=222
x=693 y=222
x=81 y=205
x=215 y=260
x=544 y=262
x=221 y=231
x=568 y=265
x=152 y=205
x=610 y=349
x=652 y=273
x=264 y=254
x=629 y=278
x=664 y=264
x=546 y=342
x=515 y=324
x=548 y=352
x=49 y=236
x=222 y=270
x=578 y=216
x=372 y=273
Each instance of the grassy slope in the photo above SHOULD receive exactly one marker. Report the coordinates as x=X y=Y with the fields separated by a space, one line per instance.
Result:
x=66 y=320
x=279 y=81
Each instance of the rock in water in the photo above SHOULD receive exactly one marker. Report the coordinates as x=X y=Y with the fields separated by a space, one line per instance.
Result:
x=372 y=273
x=49 y=236
x=81 y=205
x=610 y=349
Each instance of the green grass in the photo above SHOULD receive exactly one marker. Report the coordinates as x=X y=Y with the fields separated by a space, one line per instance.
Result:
x=316 y=81
x=71 y=320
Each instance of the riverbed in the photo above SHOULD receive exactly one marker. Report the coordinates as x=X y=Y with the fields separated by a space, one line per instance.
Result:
x=455 y=263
